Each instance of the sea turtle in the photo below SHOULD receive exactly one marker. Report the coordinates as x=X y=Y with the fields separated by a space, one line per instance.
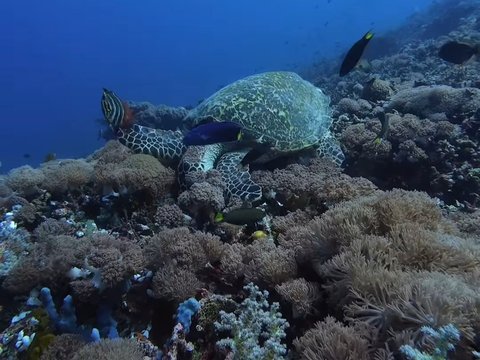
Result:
x=276 y=109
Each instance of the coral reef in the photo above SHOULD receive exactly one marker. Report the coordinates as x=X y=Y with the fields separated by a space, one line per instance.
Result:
x=107 y=257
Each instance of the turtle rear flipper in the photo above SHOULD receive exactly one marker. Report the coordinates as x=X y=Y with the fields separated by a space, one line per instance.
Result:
x=165 y=145
x=330 y=149
x=237 y=178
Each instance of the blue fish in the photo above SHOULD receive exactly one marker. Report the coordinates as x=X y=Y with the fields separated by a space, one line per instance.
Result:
x=213 y=133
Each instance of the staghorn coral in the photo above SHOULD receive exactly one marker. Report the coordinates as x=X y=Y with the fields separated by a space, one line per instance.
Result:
x=332 y=340
x=301 y=294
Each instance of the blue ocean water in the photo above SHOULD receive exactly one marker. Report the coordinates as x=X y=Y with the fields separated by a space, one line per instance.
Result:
x=57 y=55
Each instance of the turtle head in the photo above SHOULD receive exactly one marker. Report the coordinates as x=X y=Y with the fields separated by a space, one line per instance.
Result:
x=116 y=113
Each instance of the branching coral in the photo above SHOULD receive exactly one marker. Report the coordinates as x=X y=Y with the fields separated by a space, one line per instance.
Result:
x=256 y=328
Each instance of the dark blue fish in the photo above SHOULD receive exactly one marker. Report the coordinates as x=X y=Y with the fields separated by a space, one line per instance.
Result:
x=213 y=133
x=354 y=54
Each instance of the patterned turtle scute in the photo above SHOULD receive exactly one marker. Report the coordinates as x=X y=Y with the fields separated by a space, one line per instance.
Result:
x=165 y=145
x=277 y=108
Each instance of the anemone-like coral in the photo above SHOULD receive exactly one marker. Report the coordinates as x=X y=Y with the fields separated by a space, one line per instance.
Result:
x=113 y=261
x=183 y=247
x=174 y=283
x=25 y=180
x=299 y=186
x=202 y=200
x=63 y=347
x=64 y=175
x=121 y=349
x=170 y=216
x=301 y=294
x=332 y=340
x=136 y=173
x=47 y=263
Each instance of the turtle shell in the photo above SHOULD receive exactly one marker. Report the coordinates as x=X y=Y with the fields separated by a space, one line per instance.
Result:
x=277 y=108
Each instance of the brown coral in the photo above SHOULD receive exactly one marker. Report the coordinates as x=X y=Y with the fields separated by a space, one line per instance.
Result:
x=301 y=294
x=66 y=175
x=137 y=173
x=119 y=349
x=332 y=340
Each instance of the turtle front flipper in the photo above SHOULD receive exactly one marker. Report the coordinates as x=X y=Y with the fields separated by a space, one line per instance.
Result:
x=165 y=145
x=330 y=149
x=237 y=178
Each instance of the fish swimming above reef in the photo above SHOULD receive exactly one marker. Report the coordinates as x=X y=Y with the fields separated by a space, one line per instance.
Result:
x=241 y=216
x=354 y=54
x=117 y=113
x=457 y=52
x=385 y=120
x=213 y=133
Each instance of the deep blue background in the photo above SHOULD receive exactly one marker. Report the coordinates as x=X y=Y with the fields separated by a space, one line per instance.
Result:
x=57 y=55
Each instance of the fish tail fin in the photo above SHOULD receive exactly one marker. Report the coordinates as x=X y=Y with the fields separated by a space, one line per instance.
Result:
x=219 y=217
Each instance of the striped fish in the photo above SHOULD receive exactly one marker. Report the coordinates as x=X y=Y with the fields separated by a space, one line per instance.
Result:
x=116 y=112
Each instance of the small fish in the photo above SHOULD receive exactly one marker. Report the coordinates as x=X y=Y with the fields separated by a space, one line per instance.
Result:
x=242 y=216
x=255 y=153
x=259 y=234
x=117 y=113
x=27 y=156
x=214 y=133
x=457 y=52
x=50 y=157
x=385 y=120
x=354 y=54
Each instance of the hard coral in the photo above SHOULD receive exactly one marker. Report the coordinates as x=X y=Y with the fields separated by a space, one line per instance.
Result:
x=427 y=100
